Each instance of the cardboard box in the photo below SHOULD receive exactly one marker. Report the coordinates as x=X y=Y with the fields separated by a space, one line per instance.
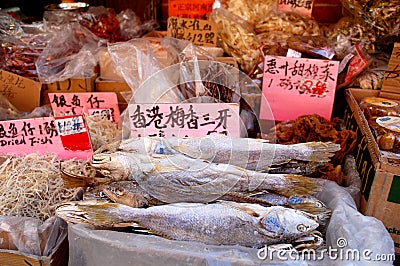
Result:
x=23 y=93
x=113 y=86
x=68 y=85
x=380 y=189
x=59 y=257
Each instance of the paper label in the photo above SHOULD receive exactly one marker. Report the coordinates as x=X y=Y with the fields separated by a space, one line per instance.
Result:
x=22 y=92
x=190 y=9
x=78 y=103
x=38 y=135
x=197 y=31
x=381 y=102
x=301 y=7
x=293 y=53
x=297 y=86
x=184 y=120
x=389 y=122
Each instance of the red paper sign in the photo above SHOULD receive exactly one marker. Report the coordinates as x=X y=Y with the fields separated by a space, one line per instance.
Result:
x=301 y=7
x=186 y=119
x=298 y=86
x=38 y=135
x=190 y=9
x=103 y=103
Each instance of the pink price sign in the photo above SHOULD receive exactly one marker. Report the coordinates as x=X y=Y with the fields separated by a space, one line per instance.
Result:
x=184 y=120
x=96 y=103
x=38 y=135
x=298 y=86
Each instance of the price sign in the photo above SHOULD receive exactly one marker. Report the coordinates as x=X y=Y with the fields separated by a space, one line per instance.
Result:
x=102 y=103
x=199 y=32
x=298 y=86
x=190 y=9
x=186 y=119
x=23 y=93
x=301 y=7
x=41 y=136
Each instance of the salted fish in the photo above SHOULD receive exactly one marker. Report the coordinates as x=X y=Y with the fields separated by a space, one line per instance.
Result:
x=221 y=223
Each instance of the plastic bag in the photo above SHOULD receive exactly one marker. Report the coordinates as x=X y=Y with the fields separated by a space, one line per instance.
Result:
x=347 y=228
x=18 y=57
x=71 y=53
x=9 y=25
x=103 y=22
x=238 y=38
x=132 y=27
x=251 y=11
x=30 y=235
x=10 y=112
x=383 y=16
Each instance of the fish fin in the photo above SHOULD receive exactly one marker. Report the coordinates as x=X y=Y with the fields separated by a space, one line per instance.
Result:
x=309 y=207
x=97 y=213
x=239 y=207
x=317 y=151
x=298 y=185
x=244 y=197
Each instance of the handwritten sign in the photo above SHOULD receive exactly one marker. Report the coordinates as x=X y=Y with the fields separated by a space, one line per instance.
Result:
x=301 y=7
x=38 y=135
x=95 y=103
x=298 y=86
x=190 y=9
x=391 y=81
x=23 y=93
x=186 y=119
x=199 y=32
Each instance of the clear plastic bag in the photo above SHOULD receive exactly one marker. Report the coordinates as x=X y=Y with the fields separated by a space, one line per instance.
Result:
x=383 y=16
x=10 y=112
x=71 y=53
x=103 y=22
x=132 y=27
x=17 y=56
x=30 y=235
x=9 y=25
x=237 y=38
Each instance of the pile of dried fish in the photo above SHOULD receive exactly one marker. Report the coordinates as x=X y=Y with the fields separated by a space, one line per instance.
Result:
x=214 y=178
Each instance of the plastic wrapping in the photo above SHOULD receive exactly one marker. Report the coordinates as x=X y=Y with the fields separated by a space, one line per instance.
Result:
x=376 y=107
x=30 y=235
x=18 y=57
x=10 y=112
x=9 y=25
x=386 y=131
x=132 y=27
x=312 y=46
x=71 y=53
x=250 y=11
x=103 y=22
x=356 y=31
x=361 y=233
x=238 y=38
x=383 y=16
x=287 y=22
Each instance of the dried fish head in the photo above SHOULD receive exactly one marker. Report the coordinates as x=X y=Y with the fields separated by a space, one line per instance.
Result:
x=113 y=166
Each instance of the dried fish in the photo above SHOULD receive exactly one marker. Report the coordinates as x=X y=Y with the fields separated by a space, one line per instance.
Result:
x=221 y=223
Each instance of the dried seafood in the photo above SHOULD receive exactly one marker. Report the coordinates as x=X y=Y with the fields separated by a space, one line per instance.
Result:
x=31 y=186
x=101 y=130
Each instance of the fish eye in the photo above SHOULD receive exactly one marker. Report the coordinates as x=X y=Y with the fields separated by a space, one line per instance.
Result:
x=319 y=204
x=301 y=228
